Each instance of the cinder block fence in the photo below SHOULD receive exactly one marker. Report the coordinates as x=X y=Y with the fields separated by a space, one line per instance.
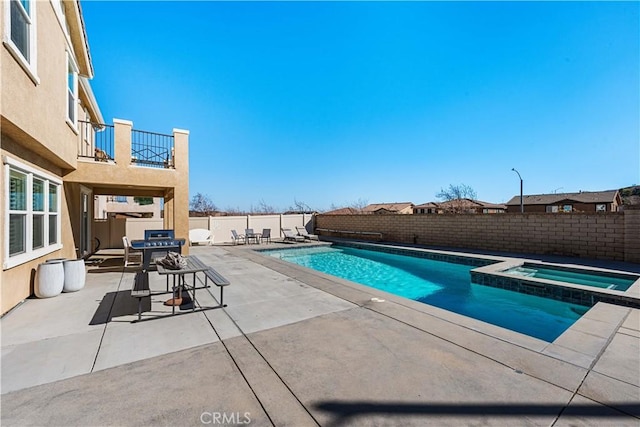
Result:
x=607 y=236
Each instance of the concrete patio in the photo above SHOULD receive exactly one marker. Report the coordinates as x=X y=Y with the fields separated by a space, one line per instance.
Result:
x=295 y=347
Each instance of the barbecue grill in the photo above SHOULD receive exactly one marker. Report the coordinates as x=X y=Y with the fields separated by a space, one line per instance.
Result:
x=157 y=243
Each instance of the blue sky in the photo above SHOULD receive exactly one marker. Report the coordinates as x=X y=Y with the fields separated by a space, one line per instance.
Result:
x=328 y=103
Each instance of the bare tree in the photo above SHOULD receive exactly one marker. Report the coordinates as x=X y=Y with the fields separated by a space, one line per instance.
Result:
x=455 y=196
x=231 y=211
x=299 y=207
x=359 y=204
x=263 y=208
x=202 y=204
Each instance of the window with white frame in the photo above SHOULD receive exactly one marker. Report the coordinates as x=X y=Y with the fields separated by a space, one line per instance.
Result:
x=33 y=212
x=72 y=89
x=601 y=207
x=20 y=34
x=20 y=23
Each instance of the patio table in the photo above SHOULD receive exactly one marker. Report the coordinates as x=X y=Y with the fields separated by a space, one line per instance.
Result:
x=253 y=236
x=194 y=265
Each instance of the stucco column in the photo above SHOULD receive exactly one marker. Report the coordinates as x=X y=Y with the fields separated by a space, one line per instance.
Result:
x=177 y=207
x=122 y=141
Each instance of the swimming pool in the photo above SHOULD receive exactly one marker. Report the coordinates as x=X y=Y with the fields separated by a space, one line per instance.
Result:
x=442 y=284
x=595 y=279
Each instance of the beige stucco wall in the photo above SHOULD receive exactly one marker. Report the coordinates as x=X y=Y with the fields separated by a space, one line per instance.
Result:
x=35 y=132
x=35 y=114
x=17 y=282
x=176 y=200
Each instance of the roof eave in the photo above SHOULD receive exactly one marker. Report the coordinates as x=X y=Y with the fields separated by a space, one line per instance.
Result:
x=79 y=38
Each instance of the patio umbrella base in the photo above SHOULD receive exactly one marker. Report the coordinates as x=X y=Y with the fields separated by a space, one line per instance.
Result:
x=173 y=302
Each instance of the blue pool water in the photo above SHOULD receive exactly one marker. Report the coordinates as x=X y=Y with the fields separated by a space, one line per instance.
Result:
x=598 y=280
x=441 y=284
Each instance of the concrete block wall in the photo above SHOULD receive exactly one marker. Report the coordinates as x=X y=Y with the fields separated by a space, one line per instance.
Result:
x=610 y=236
x=632 y=234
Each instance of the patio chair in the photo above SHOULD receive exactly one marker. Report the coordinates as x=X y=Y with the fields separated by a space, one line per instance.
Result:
x=266 y=235
x=303 y=232
x=237 y=237
x=249 y=236
x=290 y=236
x=131 y=256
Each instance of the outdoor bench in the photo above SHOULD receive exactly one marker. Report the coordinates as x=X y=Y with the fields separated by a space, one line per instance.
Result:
x=140 y=289
x=217 y=279
x=356 y=233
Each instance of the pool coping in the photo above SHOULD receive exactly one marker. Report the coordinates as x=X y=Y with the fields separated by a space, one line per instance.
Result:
x=599 y=324
x=490 y=272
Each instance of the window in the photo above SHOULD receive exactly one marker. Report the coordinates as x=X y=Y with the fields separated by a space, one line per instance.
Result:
x=567 y=208
x=33 y=208
x=53 y=213
x=601 y=207
x=38 y=213
x=20 y=22
x=552 y=209
x=20 y=35
x=17 y=212
x=72 y=89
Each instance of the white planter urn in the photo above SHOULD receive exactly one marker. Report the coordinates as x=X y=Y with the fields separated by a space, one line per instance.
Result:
x=49 y=279
x=74 y=275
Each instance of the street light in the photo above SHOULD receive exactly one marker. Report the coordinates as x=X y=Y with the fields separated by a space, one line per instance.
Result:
x=521 y=203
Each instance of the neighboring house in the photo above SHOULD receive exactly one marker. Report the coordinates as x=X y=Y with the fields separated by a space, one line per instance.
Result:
x=389 y=208
x=426 y=208
x=343 y=211
x=127 y=206
x=583 y=201
x=459 y=206
x=57 y=153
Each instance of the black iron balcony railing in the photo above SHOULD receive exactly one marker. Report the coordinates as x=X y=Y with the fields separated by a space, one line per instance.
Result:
x=148 y=149
x=152 y=149
x=96 y=141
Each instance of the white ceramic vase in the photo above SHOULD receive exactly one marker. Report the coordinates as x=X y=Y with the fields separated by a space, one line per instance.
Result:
x=49 y=279
x=74 y=275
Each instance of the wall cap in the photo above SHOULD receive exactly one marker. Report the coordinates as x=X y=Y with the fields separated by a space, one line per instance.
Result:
x=123 y=122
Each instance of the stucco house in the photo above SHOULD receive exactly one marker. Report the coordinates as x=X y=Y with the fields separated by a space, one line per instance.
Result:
x=343 y=211
x=389 y=208
x=583 y=201
x=464 y=205
x=58 y=152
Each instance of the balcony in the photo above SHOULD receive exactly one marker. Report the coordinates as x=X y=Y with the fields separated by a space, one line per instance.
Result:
x=119 y=160
x=148 y=149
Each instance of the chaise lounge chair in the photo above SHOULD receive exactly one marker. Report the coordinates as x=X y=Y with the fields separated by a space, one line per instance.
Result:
x=290 y=236
x=237 y=237
x=199 y=236
x=303 y=232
